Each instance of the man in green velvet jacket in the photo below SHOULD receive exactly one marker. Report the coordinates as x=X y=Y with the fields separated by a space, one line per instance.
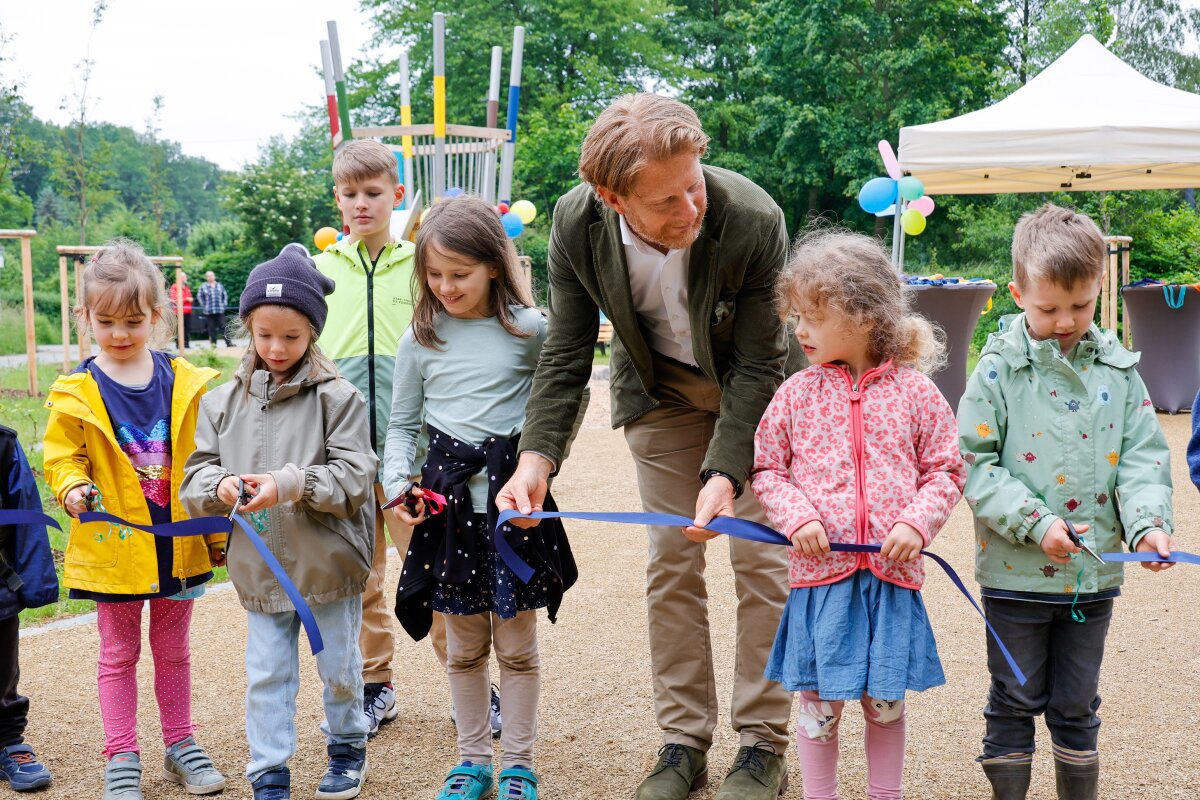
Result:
x=682 y=258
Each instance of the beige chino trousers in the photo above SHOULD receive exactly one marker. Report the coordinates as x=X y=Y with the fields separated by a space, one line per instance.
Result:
x=668 y=446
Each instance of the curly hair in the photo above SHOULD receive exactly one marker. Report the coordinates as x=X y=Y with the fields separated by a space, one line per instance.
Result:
x=832 y=267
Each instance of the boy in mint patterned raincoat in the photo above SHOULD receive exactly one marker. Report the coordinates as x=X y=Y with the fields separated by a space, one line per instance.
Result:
x=1056 y=425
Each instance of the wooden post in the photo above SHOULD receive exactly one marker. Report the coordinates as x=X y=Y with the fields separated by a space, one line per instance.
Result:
x=30 y=330
x=25 y=235
x=526 y=264
x=1116 y=275
x=66 y=315
x=85 y=338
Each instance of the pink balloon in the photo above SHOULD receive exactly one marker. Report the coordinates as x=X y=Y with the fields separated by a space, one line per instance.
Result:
x=924 y=204
x=889 y=160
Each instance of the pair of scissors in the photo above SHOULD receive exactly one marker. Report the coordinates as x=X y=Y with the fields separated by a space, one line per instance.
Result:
x=434 y=502
x=90 y=497
x=244 y=496
x=1077 y=540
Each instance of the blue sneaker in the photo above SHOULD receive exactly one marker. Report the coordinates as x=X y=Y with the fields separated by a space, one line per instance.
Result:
x=518 y=783
x=275 y=784
x=20 y=767
x=346 y=773
x=467 y=781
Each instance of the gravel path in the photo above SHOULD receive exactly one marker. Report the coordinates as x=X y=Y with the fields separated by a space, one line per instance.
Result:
x=597 y=728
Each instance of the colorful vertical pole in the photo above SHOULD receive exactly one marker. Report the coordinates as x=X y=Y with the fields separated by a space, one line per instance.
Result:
x=439 y=104
x=493 y=113
x=508 y=152
x=339 y=81
x=406 y=142
x=331 y=103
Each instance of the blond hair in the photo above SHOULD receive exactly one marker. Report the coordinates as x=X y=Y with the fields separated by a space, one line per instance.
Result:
x=313 y=357
x=836 y=268
x=363 y=159
x=635 y=130
x=1058 y=245
x=120 y=280
x=466 y=228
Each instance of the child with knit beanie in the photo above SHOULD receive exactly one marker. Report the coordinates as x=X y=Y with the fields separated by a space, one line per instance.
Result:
x=293 y=434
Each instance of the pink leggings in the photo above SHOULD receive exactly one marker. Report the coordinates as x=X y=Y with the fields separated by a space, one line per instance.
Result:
x=120 y=646
x=817 y=743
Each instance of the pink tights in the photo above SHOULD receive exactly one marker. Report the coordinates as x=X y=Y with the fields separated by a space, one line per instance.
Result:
x=817 y=743
x=120 y=646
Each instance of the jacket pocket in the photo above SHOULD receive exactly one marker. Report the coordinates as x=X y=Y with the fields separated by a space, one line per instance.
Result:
x=90 y=546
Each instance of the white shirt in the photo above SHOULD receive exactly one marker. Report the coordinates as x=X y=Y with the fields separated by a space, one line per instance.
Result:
x=659 y=285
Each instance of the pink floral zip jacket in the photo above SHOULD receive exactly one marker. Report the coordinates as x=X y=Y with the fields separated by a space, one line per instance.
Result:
x=859 y=459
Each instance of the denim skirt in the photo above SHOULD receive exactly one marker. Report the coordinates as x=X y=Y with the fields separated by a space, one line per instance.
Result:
x=861 y=634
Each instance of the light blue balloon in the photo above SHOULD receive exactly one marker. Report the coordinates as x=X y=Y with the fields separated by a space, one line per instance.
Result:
x=877 y=194
x=911 y=188
x=513 y=225
x=454 y=191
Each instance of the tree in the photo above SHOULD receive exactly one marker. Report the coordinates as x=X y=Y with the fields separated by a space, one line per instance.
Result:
x=80 y=172
x=278 y=200
x=159 y=200
x=829 y=78
x=17 y=149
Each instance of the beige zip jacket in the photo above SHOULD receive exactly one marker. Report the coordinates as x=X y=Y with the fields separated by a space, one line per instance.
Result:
x=311 y=435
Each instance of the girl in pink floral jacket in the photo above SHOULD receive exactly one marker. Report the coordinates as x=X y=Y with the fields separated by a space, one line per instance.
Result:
x=859 y=448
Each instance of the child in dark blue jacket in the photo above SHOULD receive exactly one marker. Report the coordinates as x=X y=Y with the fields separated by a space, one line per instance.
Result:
x=1193 y=451
x=27 y=580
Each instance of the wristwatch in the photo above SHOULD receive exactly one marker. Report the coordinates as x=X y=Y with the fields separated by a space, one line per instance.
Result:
x=708 y=473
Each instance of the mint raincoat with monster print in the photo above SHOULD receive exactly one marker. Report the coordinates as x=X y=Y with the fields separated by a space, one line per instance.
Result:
x=1047 y=436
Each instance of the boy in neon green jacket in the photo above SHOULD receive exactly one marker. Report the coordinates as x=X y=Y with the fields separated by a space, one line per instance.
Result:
x=1056 y=426
x=369 y=310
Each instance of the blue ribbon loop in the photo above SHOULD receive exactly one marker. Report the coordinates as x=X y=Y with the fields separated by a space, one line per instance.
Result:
x=731 y=526
x=200 y=526
x=22 y=516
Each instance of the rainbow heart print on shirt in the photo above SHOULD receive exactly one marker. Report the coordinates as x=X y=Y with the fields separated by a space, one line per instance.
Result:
x=150 y=454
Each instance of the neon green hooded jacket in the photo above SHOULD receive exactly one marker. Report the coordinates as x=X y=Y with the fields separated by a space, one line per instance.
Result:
x=369 y=310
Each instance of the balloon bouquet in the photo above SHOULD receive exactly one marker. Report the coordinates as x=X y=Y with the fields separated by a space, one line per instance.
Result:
x=882 y=196
x=514 y=218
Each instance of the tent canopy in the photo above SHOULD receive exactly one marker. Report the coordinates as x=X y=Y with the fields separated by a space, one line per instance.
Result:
x=1087 y=122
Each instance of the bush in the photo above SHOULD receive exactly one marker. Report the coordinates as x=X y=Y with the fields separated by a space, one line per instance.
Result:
x=47 y=330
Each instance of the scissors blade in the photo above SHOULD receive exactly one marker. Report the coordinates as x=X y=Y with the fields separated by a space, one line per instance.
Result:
x=1078 y=541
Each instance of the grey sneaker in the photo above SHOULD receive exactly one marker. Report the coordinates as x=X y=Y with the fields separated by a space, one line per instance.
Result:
x=187 y=764
x=123 y=777
x=496 y=721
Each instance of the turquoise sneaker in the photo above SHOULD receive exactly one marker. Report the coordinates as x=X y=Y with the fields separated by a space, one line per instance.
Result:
x=518 y=783
x=467 y=781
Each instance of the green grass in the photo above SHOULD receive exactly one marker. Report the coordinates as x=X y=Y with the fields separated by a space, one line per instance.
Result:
x=28 y=417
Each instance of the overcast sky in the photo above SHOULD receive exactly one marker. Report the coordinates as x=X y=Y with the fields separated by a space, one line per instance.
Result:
x=232 y=73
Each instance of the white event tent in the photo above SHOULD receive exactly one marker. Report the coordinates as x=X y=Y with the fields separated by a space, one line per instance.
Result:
x=1087 y=122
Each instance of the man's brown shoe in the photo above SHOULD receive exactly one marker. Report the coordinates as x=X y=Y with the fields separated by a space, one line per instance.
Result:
x=757 y=774
x=680 y=771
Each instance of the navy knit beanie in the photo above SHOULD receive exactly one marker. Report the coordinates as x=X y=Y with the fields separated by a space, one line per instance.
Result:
x=289 y=279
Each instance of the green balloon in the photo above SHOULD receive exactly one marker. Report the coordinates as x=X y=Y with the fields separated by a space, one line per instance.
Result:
x=910 y=188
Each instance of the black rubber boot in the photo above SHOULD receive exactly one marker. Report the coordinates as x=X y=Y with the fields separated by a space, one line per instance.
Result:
x=1010 y=781
x=1077 y=781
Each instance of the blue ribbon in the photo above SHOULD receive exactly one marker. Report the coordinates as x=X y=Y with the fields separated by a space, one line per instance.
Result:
x=1177 y=557
x=25 y=517
x=1176 y=301
x=741 y=529
x=199 y=526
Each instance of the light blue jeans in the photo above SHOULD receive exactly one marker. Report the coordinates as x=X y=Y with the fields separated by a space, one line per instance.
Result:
x=273 y=681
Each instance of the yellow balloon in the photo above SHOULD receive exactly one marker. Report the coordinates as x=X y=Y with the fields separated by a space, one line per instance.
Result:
x=525 y=210
x=325 y=237
x=912 y=221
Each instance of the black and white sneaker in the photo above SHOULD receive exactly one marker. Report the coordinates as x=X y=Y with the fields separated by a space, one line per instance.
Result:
x=379 y=704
